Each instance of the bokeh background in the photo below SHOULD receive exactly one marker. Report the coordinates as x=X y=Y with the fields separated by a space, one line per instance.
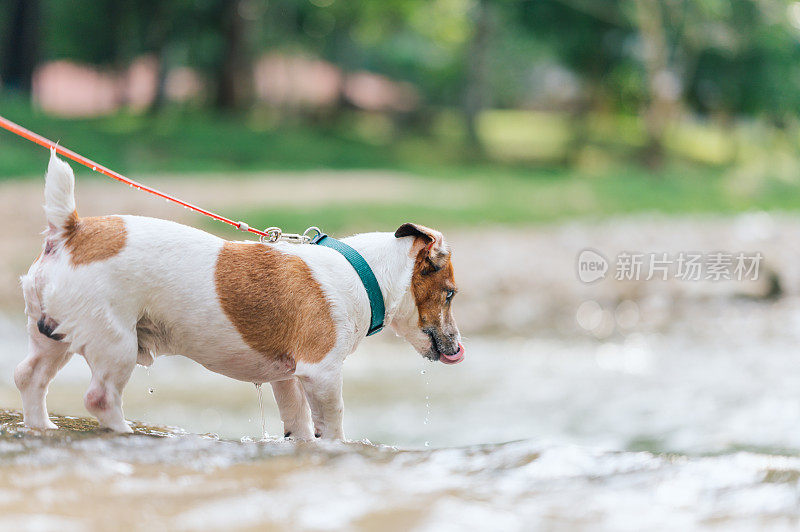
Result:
x=671 y=101
x=525 y=130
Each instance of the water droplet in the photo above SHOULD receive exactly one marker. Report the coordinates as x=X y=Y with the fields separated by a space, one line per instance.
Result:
x=427 y=419
x=427 y=444
x=151 y=391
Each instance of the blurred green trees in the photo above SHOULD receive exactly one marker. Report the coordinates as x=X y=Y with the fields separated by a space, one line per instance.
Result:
x=656 y=59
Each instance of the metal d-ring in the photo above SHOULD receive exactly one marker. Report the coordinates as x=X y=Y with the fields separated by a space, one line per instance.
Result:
x=312 y=228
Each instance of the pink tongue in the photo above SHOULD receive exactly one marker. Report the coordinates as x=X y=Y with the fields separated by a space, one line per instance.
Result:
x=455 y=358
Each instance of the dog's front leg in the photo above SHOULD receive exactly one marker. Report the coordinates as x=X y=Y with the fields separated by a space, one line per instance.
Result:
x=294 y=409
x=324 y=394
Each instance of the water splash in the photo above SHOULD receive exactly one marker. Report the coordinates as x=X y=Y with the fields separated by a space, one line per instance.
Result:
x=264 y=435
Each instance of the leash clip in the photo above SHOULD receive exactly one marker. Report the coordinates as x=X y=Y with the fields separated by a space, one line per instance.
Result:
x=293 y=238
x=273 y=234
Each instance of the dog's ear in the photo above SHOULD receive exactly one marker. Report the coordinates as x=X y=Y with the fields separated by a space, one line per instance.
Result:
x=429 y=245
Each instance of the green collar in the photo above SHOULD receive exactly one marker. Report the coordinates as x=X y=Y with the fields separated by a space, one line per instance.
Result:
x=376 y=305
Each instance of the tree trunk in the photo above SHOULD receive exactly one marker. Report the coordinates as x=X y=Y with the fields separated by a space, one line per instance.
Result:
x=656 y=62
x=579 y=123
x=233 y=72
x=21 y=46
x=160 y=97
x=476 y=92
x=158 y=40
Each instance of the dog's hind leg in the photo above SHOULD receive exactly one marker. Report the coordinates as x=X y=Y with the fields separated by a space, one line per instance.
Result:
x=33 y=375
x=112 y=363
x=295 y=413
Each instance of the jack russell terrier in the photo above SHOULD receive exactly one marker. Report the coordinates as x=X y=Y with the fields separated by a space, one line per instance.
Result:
x=121 y=289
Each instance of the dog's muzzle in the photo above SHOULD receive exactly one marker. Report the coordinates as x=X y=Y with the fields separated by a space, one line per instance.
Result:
x=439 y=354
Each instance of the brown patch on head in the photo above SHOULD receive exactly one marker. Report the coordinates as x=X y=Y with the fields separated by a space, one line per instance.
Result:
x=432 y=277
x=94 y=239
x=429 y=287
x=274 y=302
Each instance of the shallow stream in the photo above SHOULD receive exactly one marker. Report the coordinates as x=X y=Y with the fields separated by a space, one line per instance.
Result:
x=680 y=429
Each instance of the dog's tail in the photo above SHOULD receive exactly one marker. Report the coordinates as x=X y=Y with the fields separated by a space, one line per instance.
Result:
x=59 y=195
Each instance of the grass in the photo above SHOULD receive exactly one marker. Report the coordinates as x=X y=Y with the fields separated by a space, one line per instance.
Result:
x=178 y=141
x=526 y=198
x=443 y=189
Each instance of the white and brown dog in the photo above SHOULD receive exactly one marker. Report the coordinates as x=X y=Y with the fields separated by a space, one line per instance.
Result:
x=121 y=289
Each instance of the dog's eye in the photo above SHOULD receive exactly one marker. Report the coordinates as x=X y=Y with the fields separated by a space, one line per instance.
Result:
x=449 y=295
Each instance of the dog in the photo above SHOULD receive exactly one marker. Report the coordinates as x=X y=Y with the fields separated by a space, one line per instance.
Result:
x=120 y=290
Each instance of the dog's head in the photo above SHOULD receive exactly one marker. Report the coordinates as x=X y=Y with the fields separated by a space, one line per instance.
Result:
x=426 y=318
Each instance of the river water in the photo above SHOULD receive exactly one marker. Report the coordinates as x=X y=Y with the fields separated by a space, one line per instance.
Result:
x=696 y=426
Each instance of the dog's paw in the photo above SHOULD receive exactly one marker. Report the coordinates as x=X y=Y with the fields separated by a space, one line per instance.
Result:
x=121 y=427
x=45 y=424
x=300 y=434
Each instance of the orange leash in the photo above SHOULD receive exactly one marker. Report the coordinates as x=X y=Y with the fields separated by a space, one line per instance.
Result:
x=40 y=140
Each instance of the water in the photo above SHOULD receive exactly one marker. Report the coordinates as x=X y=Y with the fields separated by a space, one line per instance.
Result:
x=173 y=480
x=694 y=424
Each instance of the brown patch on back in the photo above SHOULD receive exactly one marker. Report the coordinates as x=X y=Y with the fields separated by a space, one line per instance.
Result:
x=429 y=284
x=93 y=239
x=274 y=302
